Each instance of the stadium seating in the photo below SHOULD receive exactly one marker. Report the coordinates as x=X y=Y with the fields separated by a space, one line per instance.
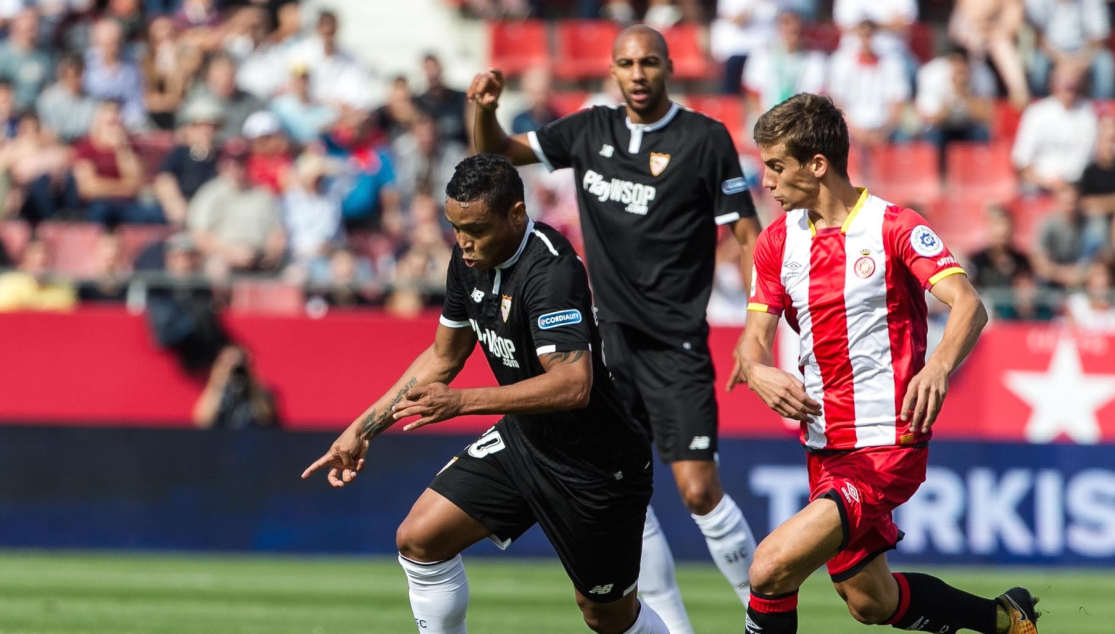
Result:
x=267 y=296
x=687 y=50
x=961 y=221
x=72 y=246
x=584 y=48
x=821 y=36
x=568 y=102
x=14 y=234
x=135 y=238
x=515 y=47
x=1004 y=122
x=906 y=173
x=726 y=109
x=922 y=41
x=1028 y=213
x=982 y=170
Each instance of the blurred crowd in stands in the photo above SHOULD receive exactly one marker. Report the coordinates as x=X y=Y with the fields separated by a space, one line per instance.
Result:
x=235 y=149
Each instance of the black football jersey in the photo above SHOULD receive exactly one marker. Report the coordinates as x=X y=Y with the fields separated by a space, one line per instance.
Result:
x=536 y=303
x=651 y=198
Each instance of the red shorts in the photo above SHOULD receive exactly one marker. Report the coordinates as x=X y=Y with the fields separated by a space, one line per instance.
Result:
x=866 y=484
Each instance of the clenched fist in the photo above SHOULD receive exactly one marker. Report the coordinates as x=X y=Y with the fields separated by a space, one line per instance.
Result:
x=486 y=88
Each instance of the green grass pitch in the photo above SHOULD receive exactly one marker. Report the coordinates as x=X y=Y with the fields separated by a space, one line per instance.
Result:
x=110 y=593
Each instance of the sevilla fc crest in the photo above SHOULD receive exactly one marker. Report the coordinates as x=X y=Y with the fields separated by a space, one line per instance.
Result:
x=658 y=163
x=505 y=307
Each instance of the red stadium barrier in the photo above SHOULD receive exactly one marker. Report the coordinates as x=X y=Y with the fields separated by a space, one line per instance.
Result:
x=100 y=367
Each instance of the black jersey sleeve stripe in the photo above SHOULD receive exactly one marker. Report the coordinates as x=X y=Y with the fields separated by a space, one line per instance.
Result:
x=724 y=219
x=532 y=137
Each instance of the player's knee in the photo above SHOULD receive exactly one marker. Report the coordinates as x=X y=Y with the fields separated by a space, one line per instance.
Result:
x=413 y=545
x=607 y=618
x=868 y=610
x=769 y=571
x=699 y=496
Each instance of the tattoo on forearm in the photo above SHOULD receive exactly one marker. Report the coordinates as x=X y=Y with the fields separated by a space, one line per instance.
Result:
x=376 y=421
x=571 y=356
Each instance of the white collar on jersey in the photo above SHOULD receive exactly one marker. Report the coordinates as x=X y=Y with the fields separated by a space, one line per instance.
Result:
x=638 y=129
x=522 y=245
x=515 y=258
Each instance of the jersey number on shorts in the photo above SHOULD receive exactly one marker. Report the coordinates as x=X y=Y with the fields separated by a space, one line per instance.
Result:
x=488 y=444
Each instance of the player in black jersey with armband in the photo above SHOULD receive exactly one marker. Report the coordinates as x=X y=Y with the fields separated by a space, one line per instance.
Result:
x=566 y=455
x=654 y=181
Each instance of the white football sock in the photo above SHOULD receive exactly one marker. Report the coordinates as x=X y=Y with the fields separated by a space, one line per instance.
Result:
x=731 y=543
x=658 y=585
x=648 y=622
x=438 y=595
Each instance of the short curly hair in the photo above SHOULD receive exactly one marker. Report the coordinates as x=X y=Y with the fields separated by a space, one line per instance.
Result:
x=489 y=178
x=808 y=125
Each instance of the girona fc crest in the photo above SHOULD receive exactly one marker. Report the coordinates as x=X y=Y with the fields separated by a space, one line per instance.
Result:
x=505 y=307
x=864 y=267
x=658 y=163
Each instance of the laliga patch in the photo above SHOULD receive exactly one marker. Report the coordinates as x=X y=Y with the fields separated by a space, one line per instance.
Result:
x=734 y=186
x=925 y=242
x=558 y=319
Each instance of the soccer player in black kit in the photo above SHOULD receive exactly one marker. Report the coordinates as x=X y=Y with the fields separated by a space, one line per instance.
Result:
x=654 y=181
x=566 y=455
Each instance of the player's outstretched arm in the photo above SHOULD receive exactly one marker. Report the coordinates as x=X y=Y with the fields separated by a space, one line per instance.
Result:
x=781 y=391
x=566 y=384
x=438 y=364
x=487 y=135
x=967 y=317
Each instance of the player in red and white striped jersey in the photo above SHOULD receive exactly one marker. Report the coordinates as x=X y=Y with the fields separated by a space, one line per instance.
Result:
x=849 y=271
x=855 y=293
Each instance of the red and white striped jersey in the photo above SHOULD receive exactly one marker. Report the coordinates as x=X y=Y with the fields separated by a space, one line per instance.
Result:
x=856 y=297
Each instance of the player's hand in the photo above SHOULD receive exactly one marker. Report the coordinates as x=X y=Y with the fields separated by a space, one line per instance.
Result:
x=924 y=397
x=432 y=403
x=345 y=458
x=783 y=393
x=737 y=377
x=486 y=88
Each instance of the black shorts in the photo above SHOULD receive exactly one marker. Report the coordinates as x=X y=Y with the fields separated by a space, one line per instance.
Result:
x=667 y=387
x=595 y=527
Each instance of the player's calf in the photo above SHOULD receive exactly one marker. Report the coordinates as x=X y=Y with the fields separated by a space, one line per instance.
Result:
x=625 y=616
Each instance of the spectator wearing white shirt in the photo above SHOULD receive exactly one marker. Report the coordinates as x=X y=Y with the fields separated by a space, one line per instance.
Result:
x=872 y=89
x=1056 y=135
x=311 y=215
x=955 y=99
x=1092 y=309
x=262 y=64
x=338 y=79
x=892 y=17
x=741 y=27
x=785 y=68
x=1072 y=32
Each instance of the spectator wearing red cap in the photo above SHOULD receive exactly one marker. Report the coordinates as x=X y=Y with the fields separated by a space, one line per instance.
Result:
x=237 y=225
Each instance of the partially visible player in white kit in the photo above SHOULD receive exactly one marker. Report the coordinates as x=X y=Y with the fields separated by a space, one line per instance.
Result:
x=654 y=181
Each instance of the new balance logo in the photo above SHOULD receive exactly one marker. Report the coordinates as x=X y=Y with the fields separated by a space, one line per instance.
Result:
x=700 y=442
x=602 y=589
x=607 y=151
x=477 y=295
x=751 y=627
x=851 y=493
